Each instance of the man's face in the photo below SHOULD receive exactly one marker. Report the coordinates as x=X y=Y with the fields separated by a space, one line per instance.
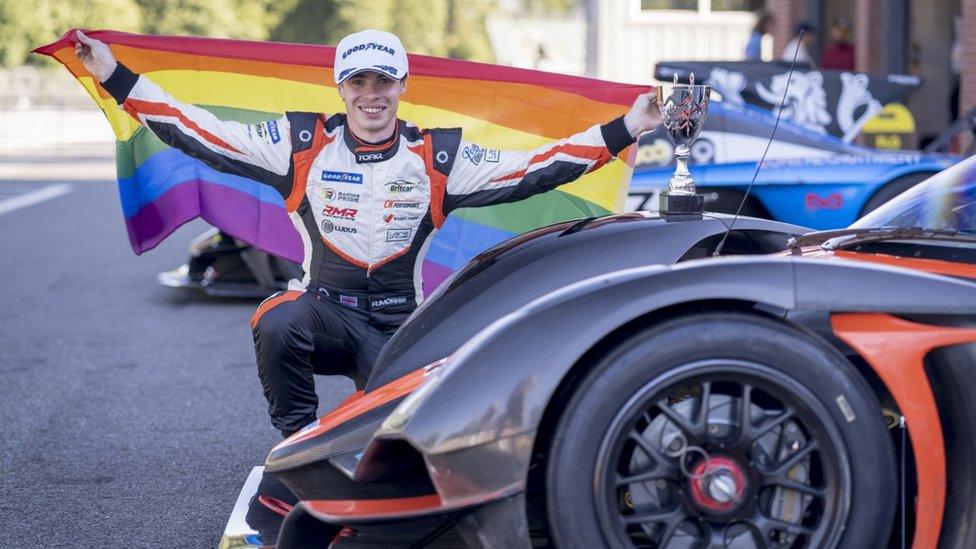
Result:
x=371 y=100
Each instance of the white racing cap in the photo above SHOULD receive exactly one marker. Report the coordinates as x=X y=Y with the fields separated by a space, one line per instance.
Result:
x=370 y=50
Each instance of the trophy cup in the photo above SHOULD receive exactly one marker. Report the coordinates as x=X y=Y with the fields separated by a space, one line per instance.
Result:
x=683 y=109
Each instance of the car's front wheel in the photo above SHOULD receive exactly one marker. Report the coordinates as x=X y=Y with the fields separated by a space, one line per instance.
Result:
x=721 y=430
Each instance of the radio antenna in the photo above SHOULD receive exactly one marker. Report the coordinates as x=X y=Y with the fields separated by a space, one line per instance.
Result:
x=779 y=114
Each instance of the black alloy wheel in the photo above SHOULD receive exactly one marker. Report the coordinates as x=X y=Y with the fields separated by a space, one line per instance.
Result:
x=721 y=430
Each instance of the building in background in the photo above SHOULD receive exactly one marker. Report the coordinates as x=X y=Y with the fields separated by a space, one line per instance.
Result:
x=626 y=38
x=900 y=37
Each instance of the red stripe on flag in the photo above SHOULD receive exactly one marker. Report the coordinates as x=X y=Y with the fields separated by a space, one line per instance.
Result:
x=323 y=56
x=591 y=152
x=135 y=107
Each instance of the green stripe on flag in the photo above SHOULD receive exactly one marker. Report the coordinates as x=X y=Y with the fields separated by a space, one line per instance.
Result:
x=537 y=211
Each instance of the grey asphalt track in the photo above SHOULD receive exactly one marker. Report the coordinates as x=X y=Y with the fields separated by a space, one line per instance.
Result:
x=130 y=413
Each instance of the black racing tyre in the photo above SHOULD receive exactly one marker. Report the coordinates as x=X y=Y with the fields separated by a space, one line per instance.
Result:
x=892 y=189
x=652 y=450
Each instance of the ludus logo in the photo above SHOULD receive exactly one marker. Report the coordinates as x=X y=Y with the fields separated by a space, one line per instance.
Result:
x=328 y=227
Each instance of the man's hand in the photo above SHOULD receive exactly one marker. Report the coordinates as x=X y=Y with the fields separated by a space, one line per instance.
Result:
x=644 y=115
x=96 y=56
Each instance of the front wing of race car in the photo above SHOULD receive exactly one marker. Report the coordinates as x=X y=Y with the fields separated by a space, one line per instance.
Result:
x=443 y=452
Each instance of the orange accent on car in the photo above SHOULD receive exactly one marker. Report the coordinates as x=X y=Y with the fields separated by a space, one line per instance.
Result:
x=896 y=348
x=347 y=509
x=928 y=265
x=302 y=163
x=273 y=302
x=353 y=407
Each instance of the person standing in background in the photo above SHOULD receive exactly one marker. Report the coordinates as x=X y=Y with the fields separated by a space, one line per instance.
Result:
x=754 y=46
x=800 y=47
x=840 y=54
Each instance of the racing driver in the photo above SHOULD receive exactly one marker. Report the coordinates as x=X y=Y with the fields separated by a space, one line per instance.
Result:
x=366 y=192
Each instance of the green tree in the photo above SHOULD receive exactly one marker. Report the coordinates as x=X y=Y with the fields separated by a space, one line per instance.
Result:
x=250 y=19
x=451 y=28
x=26 y=25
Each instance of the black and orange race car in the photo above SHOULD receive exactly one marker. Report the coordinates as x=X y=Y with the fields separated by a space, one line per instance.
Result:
x=607 y=383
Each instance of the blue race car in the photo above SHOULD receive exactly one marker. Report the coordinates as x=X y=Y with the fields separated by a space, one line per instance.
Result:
x=808 y=179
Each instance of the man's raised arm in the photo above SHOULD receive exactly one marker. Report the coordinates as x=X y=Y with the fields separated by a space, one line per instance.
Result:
x=259 y=151
x=480 y=177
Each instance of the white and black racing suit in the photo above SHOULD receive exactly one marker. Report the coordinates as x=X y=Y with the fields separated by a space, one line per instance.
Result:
x=366 y=212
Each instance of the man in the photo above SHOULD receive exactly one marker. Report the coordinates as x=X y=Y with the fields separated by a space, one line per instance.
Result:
x=799 y=46
x=840 y=55
x=365 y=191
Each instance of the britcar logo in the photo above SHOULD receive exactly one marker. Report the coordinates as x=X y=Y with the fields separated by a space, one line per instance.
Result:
x=273 y=131
x=398 y=300
x=398 y=204
x=398 y=235
x=400 y=186
x=343 y=177
x=341 y=213
x=368 y=46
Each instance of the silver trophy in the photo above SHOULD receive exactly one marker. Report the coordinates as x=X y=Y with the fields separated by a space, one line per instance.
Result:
x=683 y=110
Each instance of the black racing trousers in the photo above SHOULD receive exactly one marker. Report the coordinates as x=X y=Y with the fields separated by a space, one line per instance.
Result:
x=298 y=334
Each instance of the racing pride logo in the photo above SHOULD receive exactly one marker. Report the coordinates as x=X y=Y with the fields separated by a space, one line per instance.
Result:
x=331 y=195
x=340 y=213
x=343 y=177
x=398 y=235
x=397 y=300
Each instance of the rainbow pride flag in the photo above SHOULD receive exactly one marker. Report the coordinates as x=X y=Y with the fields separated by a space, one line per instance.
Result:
x=498 y=107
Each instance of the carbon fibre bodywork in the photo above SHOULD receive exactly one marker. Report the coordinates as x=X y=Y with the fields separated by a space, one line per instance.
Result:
x=455 y=439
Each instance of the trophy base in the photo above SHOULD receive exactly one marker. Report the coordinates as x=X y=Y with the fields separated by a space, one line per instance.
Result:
x=688 y=206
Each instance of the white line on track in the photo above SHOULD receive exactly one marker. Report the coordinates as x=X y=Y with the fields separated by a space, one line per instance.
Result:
x=35 y=197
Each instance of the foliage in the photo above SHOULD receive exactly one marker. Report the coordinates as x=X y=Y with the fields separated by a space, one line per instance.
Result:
x=453 y=28
x=26 y=25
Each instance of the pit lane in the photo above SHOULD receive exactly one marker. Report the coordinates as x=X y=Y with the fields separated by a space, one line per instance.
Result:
x=130 y=413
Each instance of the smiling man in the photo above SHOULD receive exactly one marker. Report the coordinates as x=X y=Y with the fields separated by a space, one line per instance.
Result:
x=366 y=192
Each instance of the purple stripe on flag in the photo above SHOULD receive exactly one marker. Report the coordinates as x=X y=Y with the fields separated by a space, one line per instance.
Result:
x=434 y=274
x=241 y=215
